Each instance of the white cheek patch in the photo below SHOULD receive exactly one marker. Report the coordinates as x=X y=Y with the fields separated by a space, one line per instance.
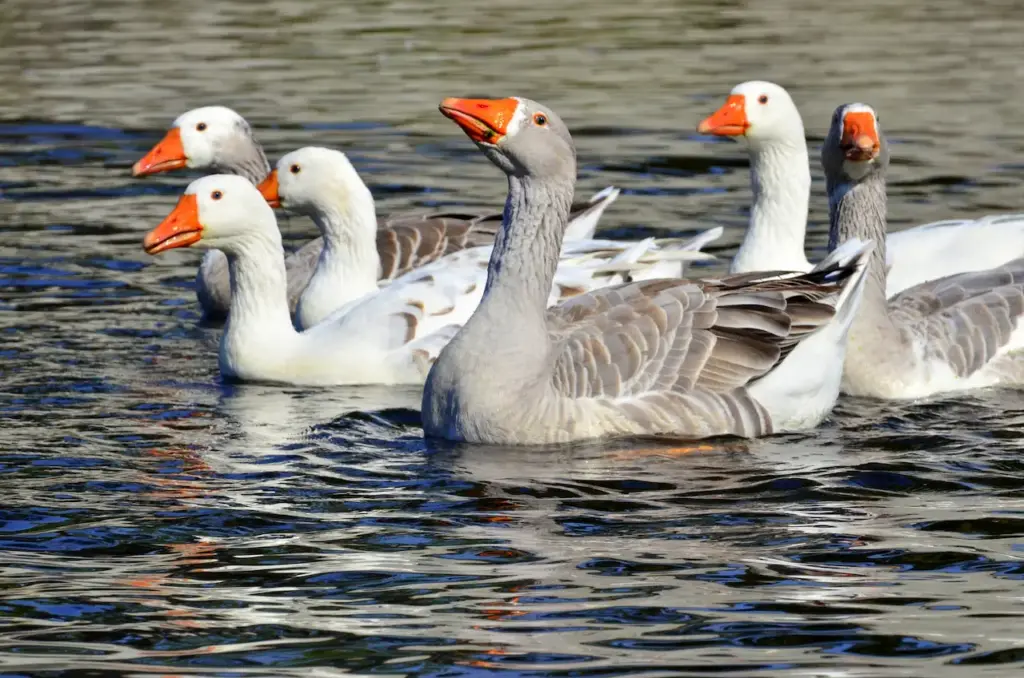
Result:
x=517 y=119
x=198 y=151
x=859 y=108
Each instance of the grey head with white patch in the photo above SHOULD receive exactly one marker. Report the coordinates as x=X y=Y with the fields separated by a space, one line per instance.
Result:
x=522 y=137
x=854 y=148
x=855 y=157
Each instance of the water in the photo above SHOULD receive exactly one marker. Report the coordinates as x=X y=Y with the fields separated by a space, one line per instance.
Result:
x=157 y=522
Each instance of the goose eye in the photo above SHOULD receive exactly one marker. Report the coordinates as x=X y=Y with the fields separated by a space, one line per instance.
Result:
x=294 y=169
x=763 y=99
x=216 y=195
x=201 y=127
x=540 y=119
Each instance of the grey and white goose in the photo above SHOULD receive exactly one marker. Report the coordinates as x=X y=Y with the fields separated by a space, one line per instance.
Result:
x=218 y=139
x=745 y=355
x=958 y=332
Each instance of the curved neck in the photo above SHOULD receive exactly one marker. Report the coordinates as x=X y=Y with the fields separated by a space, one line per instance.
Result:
x=349 y=265
x=780 y=180
x=259 y=299
x=528 y=244
x=522 y=267
x=242 y=155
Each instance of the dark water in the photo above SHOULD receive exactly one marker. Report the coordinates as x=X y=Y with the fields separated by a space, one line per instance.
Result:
x=154 y=521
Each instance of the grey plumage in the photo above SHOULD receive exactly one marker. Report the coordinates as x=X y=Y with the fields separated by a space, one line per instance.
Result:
x=948 y=334
x=677 y=357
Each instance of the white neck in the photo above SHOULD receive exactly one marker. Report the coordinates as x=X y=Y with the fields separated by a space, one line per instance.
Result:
x=349 y=264
x=780 y=179
x=259 y=327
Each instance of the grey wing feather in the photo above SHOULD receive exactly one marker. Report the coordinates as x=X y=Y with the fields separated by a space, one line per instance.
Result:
x=682 y=335
x=965 y=319
x=677 y=355
x=410 y=241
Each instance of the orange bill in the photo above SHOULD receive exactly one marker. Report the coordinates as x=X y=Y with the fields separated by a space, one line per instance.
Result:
x=268 y=188
x=483 y=120
x=728 y=121
x=181 y=228
x=860 y=136
x=168 y=154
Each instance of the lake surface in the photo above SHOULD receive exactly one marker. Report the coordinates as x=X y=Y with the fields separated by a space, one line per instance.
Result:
x=157 y=522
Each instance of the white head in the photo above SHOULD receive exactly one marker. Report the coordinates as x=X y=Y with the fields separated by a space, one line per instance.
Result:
x=314 y=181
x=759 y=111
x=211 y=137
x=220 y=211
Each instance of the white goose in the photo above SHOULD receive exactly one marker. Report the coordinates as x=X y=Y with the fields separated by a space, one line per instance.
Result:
x=218 y=139
x=387 y=337
x=765 y=117
x=322 y=184
x=958 y=332
x=745 y=356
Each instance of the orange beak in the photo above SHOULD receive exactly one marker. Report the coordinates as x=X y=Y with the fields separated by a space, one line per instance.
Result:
x=168 y=154
x=268 y=189
x=728 y=121
x=860 y=139
x=181 y=228
x=485 y=121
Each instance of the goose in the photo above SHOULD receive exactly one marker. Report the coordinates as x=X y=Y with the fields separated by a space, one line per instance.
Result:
x=746 y=355
x=953 y=333
x=388 y=337
x=764 y=116
x=218 y=139
x=322 y=184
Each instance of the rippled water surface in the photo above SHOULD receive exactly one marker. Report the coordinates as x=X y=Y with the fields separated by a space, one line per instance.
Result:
x=155 y=521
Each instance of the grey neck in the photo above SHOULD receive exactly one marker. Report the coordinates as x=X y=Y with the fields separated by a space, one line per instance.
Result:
x=243 y=155
x=523 y=263
x=876 y=345
x=858 y=210
x=529 y=243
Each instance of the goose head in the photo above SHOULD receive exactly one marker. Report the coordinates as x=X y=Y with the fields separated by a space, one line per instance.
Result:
x=313 y=180
x=854 y=148
x=203 y=138
x=520 y=136
x=220 y=211
x=759 y=111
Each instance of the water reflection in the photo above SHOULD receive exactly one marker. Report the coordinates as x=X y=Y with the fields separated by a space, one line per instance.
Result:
x=159 y=522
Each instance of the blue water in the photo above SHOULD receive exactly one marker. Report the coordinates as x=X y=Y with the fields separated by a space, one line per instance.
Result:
x=155 y=521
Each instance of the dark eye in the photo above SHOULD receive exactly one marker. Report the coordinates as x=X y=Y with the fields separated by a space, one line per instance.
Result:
x=763 y=99
x=540 y=119
x=201 y=127
x=295 y=169
x=216 y=195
